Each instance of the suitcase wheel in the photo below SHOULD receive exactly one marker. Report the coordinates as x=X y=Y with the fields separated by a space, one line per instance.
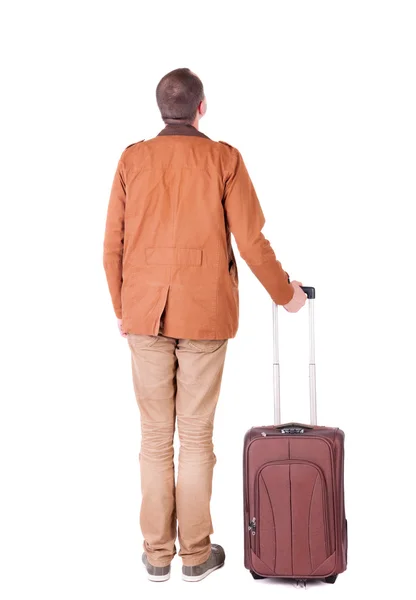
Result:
x=256 y=576
x=331 y=579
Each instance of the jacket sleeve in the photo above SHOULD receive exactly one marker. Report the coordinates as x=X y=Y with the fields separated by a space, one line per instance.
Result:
x=114 y=238
x=246 y=220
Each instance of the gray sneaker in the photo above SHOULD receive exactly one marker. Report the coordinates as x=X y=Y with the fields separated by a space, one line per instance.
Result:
x=215 y=561
x=156 y=573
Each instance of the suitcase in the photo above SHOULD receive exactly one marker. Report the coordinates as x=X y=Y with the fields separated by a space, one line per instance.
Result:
x=294 y=513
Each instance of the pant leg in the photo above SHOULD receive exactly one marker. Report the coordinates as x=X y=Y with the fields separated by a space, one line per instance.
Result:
x=154 y=367
x=199 y=374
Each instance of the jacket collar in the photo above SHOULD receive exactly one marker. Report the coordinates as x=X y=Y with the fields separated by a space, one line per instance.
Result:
x=182 y=129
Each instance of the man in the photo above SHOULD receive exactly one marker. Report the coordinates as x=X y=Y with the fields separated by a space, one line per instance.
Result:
x=173 y=280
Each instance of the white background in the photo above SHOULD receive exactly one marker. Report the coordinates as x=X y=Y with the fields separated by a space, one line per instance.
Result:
x=320 y=99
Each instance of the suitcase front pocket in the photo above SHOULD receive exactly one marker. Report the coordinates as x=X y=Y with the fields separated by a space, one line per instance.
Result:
x=291 y=512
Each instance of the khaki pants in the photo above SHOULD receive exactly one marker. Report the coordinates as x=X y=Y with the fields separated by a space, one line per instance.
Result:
x=176 y=381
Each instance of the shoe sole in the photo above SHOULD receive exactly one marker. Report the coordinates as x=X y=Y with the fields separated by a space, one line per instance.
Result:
x=158 y=577
x=201 y=577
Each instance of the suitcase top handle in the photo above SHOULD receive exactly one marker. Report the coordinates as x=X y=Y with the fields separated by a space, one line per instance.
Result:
x=293 y=428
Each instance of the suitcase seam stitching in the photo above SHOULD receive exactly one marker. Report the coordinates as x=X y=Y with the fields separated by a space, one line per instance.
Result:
x=309 y=521
x=274 y=523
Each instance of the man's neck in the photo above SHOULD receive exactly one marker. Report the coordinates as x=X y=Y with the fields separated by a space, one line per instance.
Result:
x=182 y=129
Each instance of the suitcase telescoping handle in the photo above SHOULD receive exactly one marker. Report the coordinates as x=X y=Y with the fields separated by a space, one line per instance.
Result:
x=310 y=292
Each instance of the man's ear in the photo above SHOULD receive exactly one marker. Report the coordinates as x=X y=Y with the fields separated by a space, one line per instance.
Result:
x=202 y=108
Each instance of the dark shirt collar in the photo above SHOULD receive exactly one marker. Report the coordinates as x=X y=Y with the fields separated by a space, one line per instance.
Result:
x=182 y=129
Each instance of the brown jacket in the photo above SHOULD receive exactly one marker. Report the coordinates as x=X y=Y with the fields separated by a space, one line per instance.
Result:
x=167 y=250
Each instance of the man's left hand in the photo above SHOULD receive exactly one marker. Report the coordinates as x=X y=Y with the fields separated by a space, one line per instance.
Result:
x=120 y=328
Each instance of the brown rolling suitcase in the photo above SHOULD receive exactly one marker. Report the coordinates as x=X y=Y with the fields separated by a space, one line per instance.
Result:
x=294 y=513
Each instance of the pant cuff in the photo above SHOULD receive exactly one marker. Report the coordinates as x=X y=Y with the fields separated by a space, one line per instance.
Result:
x=196 y=561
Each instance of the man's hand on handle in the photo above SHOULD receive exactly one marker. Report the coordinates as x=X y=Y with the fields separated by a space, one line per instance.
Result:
x=298 y=300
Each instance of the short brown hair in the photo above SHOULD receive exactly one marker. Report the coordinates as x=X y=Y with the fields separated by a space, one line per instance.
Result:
x=178 y=95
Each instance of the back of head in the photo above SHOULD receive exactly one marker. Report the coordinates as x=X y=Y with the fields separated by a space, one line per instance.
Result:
x=178 y=95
